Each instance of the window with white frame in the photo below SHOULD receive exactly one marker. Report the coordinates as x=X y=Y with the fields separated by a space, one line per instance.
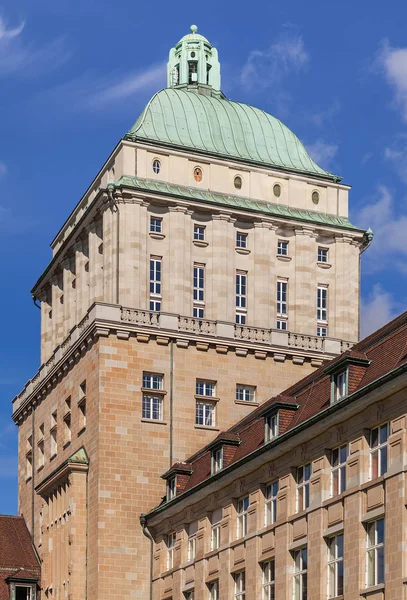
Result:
x=240 y=586
x=152 y=381
x=156 y=225
x=340 y=385
x=282 y=324
x=205 y=388
x=245 y=393
x=205 y=413
x=282 y=248
x=171 y=488
x=322 y=304
x=322 y=254
x=192 y=531
x=241 y=297
x=199 y=291
x=322 y=331
x=270 y=503
x=303 y=476
x=375 y=553
x=271 y=427
x=282 y=287
x=152 y=407
x=268 y=583
x=215 y=528
x=241 y=240
x=199 y=233
x=300 y=574
x=170 y=543
x=241 y=514
x=335 y=566
x=217 y=460
x=338 y=469
x=379 y=437
x=213 y=590
x=155 y=283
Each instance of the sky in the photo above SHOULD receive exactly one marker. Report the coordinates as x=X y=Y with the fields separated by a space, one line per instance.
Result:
x=75 y=75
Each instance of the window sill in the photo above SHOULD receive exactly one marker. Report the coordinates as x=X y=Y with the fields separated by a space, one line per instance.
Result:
x=152 y=391
x=200 y=243
x=242 y=250
x=208 y=398
x=66 y=445
x=247 y=402
x=324 y=265
x=372 y=589
x=156 y=421
x=283 y=258
x=207 y=427
x=157 y=236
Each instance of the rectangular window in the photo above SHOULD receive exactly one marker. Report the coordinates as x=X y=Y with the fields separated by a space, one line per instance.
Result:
x=240 y=586
x=340 y=385
x=282 y=297
x=338 y=469
x=67 y=429
x=241 y=298
x=29 y=465
x=241 y=512
x=245 y=393
x=322 y=304
x=379 y=437
x=205 y=388
x=170 y=550
x=217 y=460
x=82 y=406
x=300 y=574
x=303 y=477
x=199 y=291
x=322 y=331
x=268 y=575
x=213 y=590
x=41 y=454
x=171 y=488
x=323 y=255
x=270 y=503
x=241 y=240
x=271 y=422
x=199 y=233
x=205 y=414
x=375 y=553
x=152 y=381
x=23 y=592
x=282 y=324
x=215 y=530
x=282 y=248
x=335 y=566
x=192 y=531
x=152 y=407
x=155 y=225
x=54 y=442
x=155 y=283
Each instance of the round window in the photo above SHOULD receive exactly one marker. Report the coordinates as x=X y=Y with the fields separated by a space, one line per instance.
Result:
x=277 y=190
x=192 y=54
x=315 y=197
x=156 y=166
x=198 y=174
x=238 y=182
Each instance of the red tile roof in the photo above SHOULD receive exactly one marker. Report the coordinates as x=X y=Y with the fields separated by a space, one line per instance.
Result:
x=368 y=361
x=17 y=555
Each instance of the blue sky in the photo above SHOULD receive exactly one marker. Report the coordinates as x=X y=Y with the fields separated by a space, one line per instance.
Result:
x=74 y=76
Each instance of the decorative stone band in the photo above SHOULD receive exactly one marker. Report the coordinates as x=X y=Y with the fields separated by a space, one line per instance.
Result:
x=105 y=319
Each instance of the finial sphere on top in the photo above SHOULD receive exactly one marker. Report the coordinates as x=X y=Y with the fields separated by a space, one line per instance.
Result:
x=193 y=28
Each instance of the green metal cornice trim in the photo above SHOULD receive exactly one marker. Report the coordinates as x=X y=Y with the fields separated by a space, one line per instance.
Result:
x=235 y=202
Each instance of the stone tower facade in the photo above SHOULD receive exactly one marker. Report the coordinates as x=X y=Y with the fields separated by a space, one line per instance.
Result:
x=209 y=265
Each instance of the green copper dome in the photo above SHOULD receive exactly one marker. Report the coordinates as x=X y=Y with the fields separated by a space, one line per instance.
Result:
x=220 y=127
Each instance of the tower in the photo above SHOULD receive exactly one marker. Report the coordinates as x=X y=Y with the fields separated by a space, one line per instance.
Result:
x=209 y=265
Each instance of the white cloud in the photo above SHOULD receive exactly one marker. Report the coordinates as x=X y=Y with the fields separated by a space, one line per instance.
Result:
x=389 y=247
x=376 y=310
x=266 y=67
x=322 y=152
x=17 y=54
x=397 y=156
x=393 y=62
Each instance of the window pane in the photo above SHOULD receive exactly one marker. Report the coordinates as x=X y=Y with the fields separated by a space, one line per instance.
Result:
x=383 y=460
x=339 y=546
x=307 y=472
x=339 y=590
x=375 y=465
x=380 y=565
x=384 y=433
x=380 y=531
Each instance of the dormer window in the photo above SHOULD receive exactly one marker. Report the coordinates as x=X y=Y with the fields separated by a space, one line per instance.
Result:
x=217 y=460
x=171 y=488
x=339 y=385
x=271 y=430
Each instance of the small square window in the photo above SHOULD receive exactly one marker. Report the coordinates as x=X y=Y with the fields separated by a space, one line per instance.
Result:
x=152 y=381
x=323 y=255
x=205 y=388
x=155 y=225
x=199 y=233
x=282 y=324
x=205 y=414
x=245 y=393
x=282 y=248
x=241 y=240
x=240 y=318
x=322 y=331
